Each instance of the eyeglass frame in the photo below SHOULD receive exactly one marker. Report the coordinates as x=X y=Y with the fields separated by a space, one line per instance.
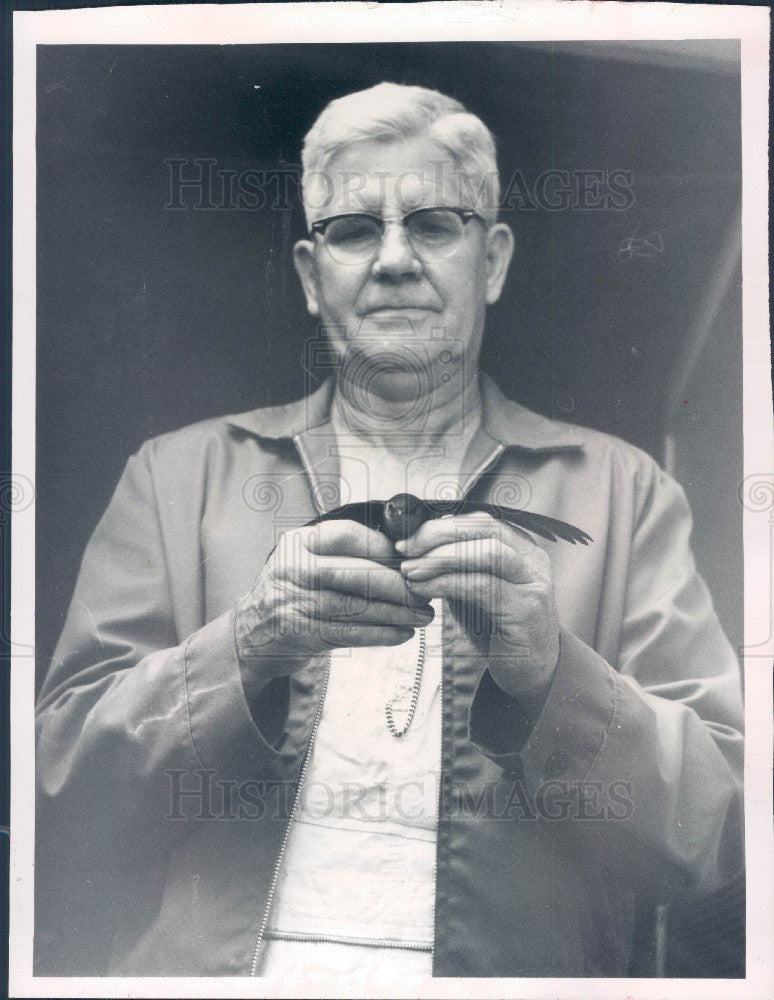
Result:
x=465 y=214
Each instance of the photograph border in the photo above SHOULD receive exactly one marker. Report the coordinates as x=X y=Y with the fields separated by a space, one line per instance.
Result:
x=354 y=22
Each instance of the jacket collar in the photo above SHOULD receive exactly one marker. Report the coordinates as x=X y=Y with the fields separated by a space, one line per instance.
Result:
x=503 y=419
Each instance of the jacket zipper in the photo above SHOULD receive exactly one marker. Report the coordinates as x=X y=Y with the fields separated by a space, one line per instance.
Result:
x=310 y=473
x=286 y=836
x=440 y=808
x=488 y=462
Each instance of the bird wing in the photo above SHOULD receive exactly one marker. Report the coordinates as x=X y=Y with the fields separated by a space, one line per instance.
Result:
x=539 y=524
x=370 y=513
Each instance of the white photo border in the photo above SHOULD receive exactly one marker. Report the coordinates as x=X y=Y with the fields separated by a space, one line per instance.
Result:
x=503 y=20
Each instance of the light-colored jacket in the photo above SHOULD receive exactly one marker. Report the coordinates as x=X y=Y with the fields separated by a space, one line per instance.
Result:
x=164 y=797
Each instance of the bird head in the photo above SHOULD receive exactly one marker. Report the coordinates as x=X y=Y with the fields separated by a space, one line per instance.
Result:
x=403 y=514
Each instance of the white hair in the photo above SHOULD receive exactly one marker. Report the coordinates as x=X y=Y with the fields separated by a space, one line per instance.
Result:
x=392 y=111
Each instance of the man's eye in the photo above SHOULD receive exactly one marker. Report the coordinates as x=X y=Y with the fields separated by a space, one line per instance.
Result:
x=435 y=227
x=352 y=232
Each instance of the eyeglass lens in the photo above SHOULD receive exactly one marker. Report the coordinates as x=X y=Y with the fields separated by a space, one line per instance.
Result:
x=431 y=232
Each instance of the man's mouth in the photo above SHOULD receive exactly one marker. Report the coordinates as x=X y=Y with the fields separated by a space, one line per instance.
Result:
x=402 y=308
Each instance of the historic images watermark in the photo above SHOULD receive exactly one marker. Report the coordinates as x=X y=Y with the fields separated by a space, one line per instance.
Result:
x=205 y=184
x=201 y=795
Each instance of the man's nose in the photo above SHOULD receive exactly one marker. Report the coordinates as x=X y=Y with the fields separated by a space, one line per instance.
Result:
x=396 y=257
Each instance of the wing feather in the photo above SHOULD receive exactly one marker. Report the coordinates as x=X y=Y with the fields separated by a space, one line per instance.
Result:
x=369 y=513
x=539 y=524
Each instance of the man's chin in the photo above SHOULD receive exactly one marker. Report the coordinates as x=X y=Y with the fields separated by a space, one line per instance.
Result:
x=395 y=371
x=397 y=336
x=388 y=354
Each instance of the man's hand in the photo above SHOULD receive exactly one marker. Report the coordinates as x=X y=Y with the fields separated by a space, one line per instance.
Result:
x=504 y=578
x=331 y=585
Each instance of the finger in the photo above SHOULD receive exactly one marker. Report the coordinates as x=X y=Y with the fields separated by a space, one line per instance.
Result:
x=338 y=636
x=467 y=587
x=359 y=577
x=442 y=530
x=348 y=538
x=479 y=589
x=354 y=610
x=485 y=555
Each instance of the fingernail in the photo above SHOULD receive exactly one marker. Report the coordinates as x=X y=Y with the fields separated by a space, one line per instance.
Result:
x=400 y=545
x=408 y=565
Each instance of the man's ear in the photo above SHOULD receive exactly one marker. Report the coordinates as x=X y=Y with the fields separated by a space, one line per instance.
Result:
x=303 y=259
x=499 y=250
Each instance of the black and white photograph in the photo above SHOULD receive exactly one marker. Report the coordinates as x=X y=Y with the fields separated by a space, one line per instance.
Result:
x=393 y=450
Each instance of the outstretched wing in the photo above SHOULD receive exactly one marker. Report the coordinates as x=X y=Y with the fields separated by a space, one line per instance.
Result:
x=370 y=513
x=539 y=524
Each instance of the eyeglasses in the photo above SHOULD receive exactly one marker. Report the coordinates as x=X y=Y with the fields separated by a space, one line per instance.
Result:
x=432 y=232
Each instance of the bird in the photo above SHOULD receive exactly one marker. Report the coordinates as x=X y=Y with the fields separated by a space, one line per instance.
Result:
x=403 y=514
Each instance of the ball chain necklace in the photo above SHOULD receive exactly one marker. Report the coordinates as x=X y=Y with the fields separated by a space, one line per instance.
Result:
x=390 y=706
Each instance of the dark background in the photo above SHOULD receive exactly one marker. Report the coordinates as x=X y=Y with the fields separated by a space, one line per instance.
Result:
x=149 y=318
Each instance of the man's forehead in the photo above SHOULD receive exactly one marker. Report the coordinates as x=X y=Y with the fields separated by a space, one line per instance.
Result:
x=385 y=178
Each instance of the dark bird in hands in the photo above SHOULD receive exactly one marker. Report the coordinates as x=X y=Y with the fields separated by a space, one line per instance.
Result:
x=403 y=514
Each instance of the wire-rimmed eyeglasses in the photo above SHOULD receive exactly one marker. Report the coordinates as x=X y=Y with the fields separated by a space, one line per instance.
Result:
x=434 y=232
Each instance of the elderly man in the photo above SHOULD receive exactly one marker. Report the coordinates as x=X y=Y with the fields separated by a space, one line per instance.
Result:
x=266 y=747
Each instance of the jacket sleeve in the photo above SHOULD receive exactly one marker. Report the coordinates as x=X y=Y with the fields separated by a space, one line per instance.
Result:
x=128 y=701
x=657 y=733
